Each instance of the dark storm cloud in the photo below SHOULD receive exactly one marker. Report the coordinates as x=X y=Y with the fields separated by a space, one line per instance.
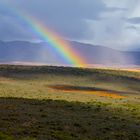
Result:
x=65 y=16
x=83 y=20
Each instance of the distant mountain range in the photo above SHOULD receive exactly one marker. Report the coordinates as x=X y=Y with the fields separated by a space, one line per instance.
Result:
x=24 y=51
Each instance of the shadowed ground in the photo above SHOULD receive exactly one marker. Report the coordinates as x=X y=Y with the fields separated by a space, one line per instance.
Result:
x=89 y=90
x=62 y=120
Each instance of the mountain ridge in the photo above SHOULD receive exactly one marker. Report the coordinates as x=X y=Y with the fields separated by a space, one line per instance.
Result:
x=42 y=52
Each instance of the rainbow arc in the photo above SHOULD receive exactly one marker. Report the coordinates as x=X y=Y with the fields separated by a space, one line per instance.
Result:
x=59 y=45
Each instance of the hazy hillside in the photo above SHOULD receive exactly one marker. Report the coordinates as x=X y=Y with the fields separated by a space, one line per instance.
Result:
x=43 y=53
x=103 y=55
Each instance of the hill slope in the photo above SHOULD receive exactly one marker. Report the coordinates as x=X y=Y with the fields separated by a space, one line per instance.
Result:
x=43 y=53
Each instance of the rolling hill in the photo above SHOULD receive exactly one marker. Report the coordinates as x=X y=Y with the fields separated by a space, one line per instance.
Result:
x=24 y=51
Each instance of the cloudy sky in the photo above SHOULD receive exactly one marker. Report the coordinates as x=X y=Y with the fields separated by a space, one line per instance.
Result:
x=112 y=23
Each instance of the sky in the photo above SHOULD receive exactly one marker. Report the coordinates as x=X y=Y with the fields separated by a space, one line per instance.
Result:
x=111 y=23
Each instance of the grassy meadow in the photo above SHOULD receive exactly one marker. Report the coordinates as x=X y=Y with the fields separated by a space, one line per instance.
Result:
x=63 y=103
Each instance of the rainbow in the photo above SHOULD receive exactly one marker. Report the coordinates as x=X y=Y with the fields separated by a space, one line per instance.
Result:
x=62 y=47
x=59 y=45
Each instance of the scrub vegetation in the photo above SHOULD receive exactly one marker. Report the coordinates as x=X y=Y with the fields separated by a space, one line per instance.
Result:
x=63 y=103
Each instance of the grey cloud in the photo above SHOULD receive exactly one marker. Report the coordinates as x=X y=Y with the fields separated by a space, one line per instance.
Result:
x=71 y=19
x=10 y=30
x=131 y=28
x=68 y=17
x=135 y=20
x=65 y=16
x=113 y=9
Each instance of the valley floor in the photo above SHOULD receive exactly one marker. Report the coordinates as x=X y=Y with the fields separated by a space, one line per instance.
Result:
x=61 y=103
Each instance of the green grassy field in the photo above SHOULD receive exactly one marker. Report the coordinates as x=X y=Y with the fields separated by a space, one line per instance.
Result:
x=61 y=103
